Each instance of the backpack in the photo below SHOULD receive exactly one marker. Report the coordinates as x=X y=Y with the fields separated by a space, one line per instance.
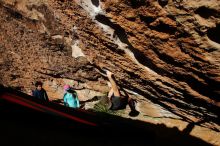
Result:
x=73 y=92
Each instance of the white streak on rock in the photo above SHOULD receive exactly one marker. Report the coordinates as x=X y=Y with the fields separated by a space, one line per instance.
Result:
x=93 y=11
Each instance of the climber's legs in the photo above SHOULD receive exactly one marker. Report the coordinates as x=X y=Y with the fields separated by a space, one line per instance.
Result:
x=114 y=88
x=110 y=93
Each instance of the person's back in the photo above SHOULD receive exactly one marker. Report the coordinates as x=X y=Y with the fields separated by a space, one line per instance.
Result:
x=70 y=98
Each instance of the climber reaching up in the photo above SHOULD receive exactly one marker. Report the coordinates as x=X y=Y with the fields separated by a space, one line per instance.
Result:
x=118 y=101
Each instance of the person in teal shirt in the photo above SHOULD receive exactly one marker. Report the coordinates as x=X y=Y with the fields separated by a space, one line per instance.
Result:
x=70 y=98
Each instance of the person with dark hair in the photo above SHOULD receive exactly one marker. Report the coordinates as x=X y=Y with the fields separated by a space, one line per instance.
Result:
x=39 y=92
x=118 y=101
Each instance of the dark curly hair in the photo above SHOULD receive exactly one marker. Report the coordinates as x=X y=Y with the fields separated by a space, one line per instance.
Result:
x=38 y=83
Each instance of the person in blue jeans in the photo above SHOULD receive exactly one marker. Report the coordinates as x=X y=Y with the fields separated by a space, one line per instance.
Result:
x=70 y=97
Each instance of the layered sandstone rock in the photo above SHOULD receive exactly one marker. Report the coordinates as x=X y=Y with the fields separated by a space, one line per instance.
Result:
x=167 y=51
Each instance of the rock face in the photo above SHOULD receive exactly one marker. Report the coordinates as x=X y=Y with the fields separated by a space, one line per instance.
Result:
x=167 y=50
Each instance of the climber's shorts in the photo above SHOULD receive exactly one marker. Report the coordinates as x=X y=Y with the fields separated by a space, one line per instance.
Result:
x=118 y=103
